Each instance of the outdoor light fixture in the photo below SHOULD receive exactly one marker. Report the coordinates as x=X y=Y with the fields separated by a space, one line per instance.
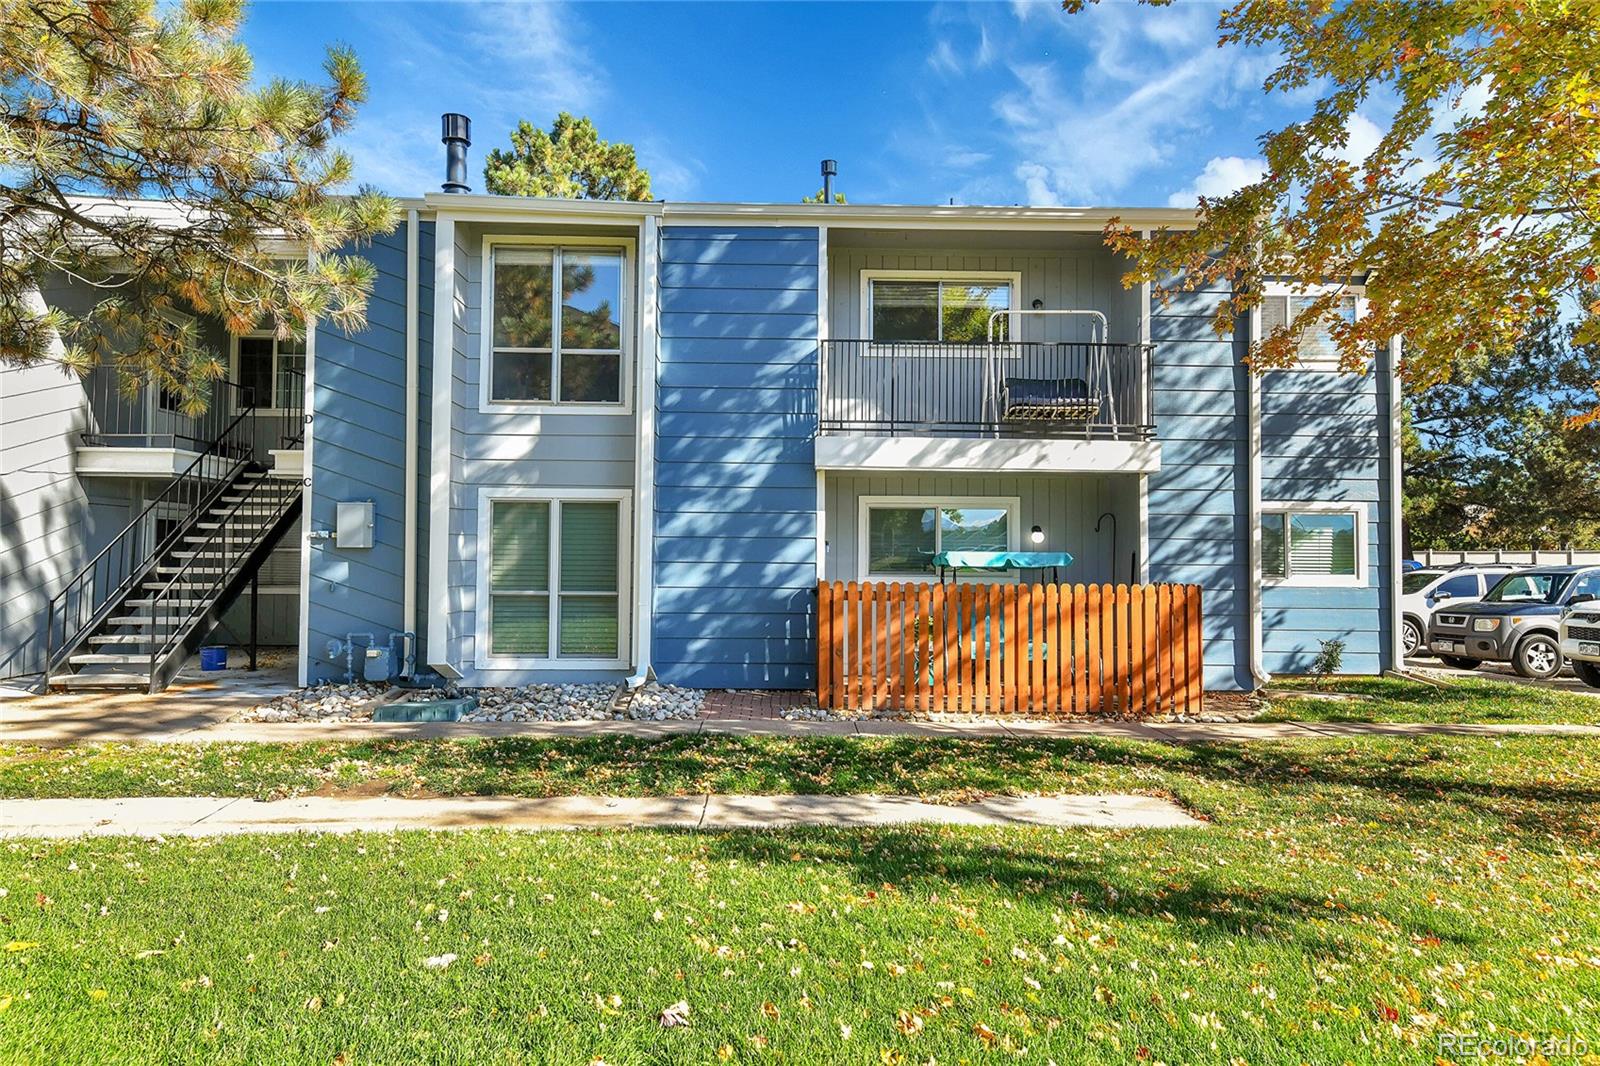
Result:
x=1038 y=304
x=1036 y=535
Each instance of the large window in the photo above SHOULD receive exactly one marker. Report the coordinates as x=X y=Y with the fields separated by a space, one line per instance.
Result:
x=900 y=536
x=1312 y=544
x=544 y=350
x=1281 y=307
x=272 y=371
x=953 y=310
x=554 y=578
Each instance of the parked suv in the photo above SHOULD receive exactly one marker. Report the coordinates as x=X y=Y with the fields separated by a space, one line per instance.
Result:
x=1517 y=621
x=1580 y=638
x=1423 y=592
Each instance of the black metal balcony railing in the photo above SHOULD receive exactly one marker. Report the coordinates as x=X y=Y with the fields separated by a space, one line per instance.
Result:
x=1002 y=389
x=291 y=410
x=151 y=418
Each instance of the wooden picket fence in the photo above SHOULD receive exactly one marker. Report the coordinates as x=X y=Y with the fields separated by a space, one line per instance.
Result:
x=1055 y=650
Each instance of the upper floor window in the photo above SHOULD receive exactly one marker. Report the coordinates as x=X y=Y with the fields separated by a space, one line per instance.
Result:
x=545 y=350
x=271 y=371
x=922 y=306
x=1281 y=307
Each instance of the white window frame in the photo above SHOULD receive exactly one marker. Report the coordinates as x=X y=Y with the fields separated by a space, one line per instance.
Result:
x=1289 y=291
x=980 y=277
x=483 y=658
x=233 y=367
x=1362 y=515
x=865 y=504
x=625 y=317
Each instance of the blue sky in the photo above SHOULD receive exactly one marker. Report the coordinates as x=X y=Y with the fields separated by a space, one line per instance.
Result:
x=920 y=103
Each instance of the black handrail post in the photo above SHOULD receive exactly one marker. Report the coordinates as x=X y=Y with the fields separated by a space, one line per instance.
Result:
x=254 y=604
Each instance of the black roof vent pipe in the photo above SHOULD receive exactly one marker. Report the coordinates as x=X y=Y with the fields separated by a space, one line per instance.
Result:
x=457 y=139
x=830 y=167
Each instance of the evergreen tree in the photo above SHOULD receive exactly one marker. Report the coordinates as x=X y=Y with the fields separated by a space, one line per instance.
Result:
x=105 y=101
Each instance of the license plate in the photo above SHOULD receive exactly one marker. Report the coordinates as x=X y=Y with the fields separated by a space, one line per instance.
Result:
x=1587 y=647
x=1445 y=645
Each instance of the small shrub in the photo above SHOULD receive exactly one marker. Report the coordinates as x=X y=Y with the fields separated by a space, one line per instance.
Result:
x=1329 y=658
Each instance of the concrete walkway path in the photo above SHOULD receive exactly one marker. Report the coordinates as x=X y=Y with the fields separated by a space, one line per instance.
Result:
x=212 y=816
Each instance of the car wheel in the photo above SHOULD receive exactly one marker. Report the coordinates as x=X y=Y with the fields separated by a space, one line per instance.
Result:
x=1411 y=637
x=1588 y=673
x=1459 y=663
x=1537 y=657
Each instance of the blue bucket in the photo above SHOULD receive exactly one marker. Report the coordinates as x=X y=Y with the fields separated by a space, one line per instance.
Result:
x=214 y=657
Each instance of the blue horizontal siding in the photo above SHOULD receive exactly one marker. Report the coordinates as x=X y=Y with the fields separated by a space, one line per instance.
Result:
x=1194 y=501
x=358 y=453
x=681 y=275
x=735 y=564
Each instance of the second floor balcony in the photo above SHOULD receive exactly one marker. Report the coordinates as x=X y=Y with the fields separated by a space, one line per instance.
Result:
x=136 y=429
x=994 y=390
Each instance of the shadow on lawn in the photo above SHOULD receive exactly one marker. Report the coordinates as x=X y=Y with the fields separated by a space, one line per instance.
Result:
x=1402 y=781
x=1204 y=906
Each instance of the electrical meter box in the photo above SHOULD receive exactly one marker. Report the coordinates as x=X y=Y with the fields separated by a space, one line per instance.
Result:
x=353 y=524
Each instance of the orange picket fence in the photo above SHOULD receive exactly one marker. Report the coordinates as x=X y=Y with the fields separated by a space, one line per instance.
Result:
x=1128 y=650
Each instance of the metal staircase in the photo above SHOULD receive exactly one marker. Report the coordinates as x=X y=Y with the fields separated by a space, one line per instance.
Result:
x=133 y=616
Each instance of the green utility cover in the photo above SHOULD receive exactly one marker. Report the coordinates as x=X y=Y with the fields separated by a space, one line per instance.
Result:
x=428 y=711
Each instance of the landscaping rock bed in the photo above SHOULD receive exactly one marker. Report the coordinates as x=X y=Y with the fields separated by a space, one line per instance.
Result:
x=320 y=703
x=525 y=703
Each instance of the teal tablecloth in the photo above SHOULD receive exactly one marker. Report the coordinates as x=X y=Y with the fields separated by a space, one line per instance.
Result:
x=969 y=560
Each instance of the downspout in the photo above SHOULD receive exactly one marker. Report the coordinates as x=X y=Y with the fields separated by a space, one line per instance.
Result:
x=1396 y=502
x=408 y=618
x=644 y=473
x=1258 y=671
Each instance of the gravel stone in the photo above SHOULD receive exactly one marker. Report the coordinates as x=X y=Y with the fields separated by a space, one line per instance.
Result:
x=523 y=703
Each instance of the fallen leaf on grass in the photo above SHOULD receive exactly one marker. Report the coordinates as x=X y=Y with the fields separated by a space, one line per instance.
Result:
x=909 y=1024
x=770 y=1010
x=439 y=962
x=986 y=1034
x=674 y=1015
x=21 y=945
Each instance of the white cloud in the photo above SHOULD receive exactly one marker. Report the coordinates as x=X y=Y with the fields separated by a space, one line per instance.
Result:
x=1155 y=76
x=1361 y=137
x=496 y=63
x=1222 y=175
x=943 y=58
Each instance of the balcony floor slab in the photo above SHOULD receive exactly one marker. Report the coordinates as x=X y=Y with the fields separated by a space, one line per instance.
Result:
x=866 y=452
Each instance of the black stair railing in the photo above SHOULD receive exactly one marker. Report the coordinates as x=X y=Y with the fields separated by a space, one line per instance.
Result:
x=201 y=577
x=118 y=568
x=291 y=408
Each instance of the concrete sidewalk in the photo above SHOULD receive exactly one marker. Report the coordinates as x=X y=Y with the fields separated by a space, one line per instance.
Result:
x=212 y=816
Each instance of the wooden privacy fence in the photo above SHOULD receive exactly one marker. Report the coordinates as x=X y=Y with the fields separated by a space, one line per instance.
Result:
x=1009 y=649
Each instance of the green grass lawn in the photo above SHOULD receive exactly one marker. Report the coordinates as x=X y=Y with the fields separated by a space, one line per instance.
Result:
x=1386 y=699
x=1352 y=900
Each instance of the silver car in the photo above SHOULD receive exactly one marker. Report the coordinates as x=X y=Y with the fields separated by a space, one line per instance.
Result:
x=1580 y=637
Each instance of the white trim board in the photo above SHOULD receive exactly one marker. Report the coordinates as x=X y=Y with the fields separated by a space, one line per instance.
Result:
x=968 y=455
x=440 y=427
x=488 y=495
